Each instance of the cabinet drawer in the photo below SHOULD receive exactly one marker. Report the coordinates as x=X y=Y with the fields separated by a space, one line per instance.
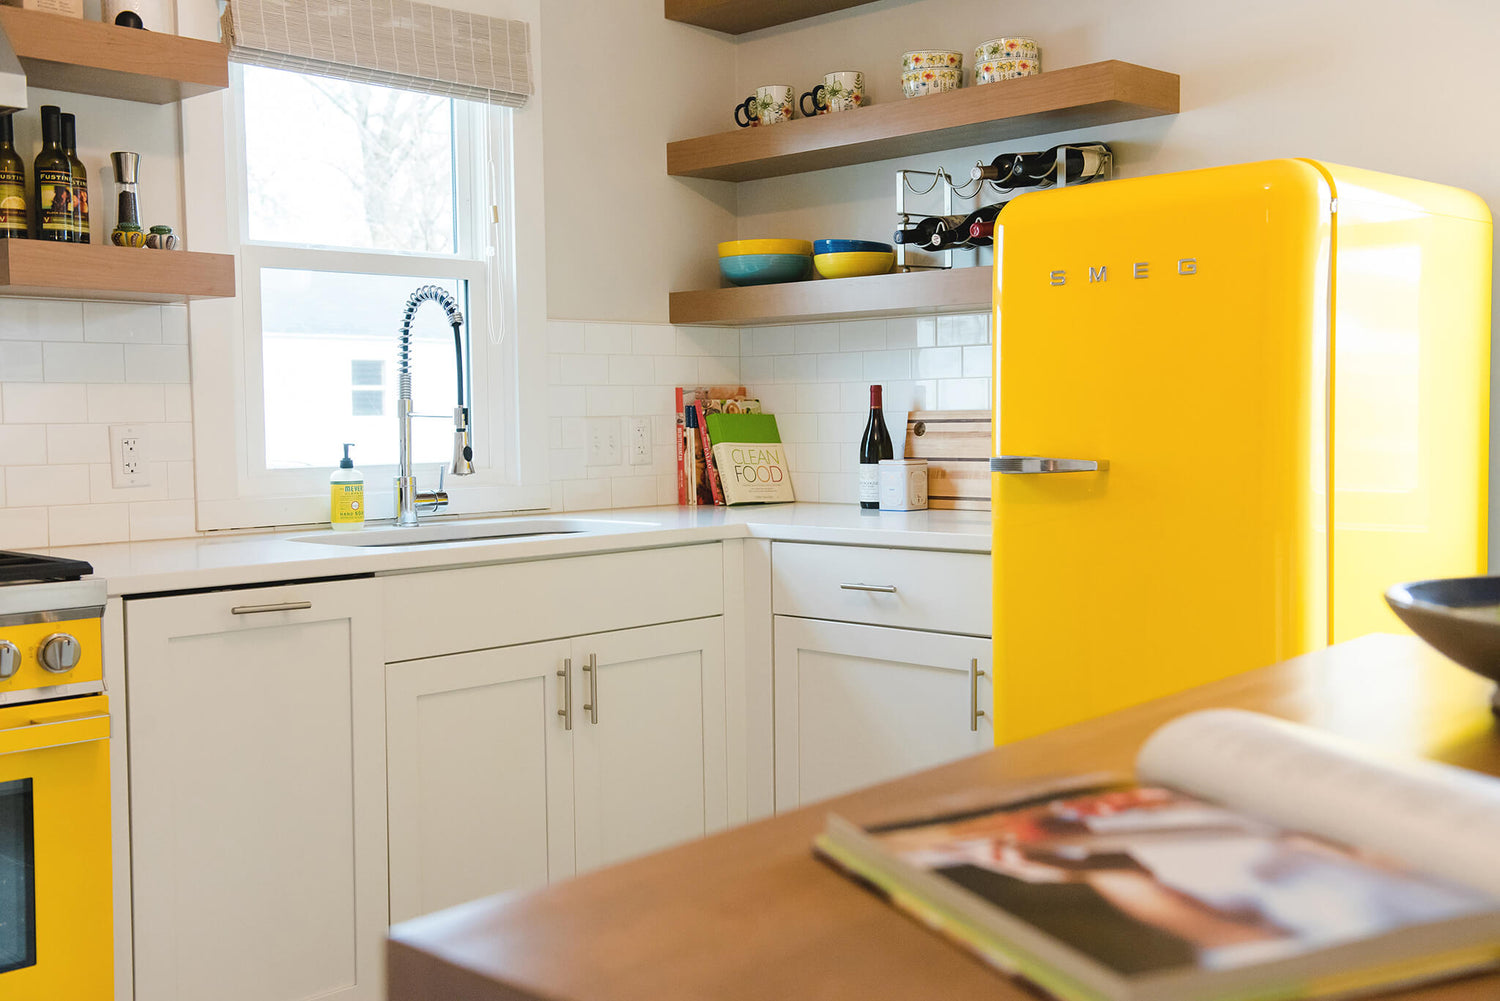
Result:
x=944 y=592
x=451 y=611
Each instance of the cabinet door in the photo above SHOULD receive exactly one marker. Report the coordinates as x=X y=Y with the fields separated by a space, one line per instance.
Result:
x=857 y=705
x=480 y=766
x=649 y=748
x=257 y=785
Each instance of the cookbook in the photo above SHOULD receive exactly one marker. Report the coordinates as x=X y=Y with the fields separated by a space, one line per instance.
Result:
x=1251 y=860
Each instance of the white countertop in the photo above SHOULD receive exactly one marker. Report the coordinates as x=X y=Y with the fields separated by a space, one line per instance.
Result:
x=212 y=561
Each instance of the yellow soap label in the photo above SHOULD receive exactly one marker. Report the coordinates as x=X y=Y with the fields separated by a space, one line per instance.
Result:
x=347 y=503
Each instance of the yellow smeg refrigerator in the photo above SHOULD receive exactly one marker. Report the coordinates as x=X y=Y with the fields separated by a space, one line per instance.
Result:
x=1232 y=406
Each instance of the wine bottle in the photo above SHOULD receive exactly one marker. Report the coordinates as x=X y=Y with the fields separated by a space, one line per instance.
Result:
x=961 y=237
x=874 y=446
x=53 y=176
x=923 y=232
x=1001 y=170
x=1083 y=162
x=80 y=180
x=13 y=224
x=982 y=231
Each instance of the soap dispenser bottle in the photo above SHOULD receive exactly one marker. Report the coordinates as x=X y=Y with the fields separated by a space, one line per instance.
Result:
x=346 y=495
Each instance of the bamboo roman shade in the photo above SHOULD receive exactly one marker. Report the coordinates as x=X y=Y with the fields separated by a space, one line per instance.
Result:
x=395 y=43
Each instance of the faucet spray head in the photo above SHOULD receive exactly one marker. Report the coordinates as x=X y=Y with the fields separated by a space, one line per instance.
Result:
x=463 y=446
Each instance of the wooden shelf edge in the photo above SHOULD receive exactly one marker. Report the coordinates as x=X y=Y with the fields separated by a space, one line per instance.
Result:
x=92 y=271
x=736 y=17
x=88 y=57
x=960 y=290
x=1077 y=97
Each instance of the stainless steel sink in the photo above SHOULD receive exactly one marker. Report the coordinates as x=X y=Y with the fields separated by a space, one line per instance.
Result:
x=489 y=530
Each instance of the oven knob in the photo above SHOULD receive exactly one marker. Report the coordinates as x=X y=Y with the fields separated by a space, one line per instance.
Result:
x=60 y=653
x=10 y=659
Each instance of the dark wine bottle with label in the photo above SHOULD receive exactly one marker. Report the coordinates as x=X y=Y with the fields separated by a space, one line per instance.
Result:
x=80 y=180
x=962 y=236
x=874 y=446
x=923 y=232
x=13 y=225
x=1084 y=161
x=1001 y=170
x=53 y=175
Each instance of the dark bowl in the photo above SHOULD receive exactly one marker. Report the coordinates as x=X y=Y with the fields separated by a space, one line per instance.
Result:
x=1459 y=616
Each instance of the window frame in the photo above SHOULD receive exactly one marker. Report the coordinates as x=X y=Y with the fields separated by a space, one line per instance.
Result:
x=234 y=489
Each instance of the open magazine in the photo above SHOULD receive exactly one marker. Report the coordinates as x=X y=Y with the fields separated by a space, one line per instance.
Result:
x=1252 y=860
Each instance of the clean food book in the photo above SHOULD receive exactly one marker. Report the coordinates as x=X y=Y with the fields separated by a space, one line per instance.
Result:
x=749 y=458
x=1255 y=860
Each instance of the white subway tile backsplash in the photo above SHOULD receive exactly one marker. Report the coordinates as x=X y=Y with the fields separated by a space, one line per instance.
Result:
x=607 y=401
x=862 y=335
x=43 y=486
x=840 y=367
x=606 y=338
x=817 y=338
x=757 y=368
x=883 y=365
x=565 y=338
x=23 y=527
x=41 y=320
x=168 y=519
x=179 y=402
x=963 y=328
x=74 y=442
x=87 y=524
x=125 y=403
x=796 y=368
x=156 y=363
x=582 y=370
x=103 y=491
x=714 y=371
x=585 y=495
x=122 y=323
x=20 y=361
x=23 y=445
x=632 y=491
x=180 y=481
x=630 y=370
x=67 y=362
x=977 y=361
x=169 y=442
x=674 y=371
x=708 y=341
x=940 y=363
x=42 y=402
x=174 y=325
x=775 y=340
x=653 y=339
x=964 y=394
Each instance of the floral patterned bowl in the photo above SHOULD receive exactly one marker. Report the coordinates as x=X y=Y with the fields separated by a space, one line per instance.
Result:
x=931 y=59
x=1006 y=47
x=991 y=70
x=920 y=83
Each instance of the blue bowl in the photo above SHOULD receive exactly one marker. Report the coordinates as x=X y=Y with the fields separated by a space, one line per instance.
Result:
x=851 y=247
x=765 y=269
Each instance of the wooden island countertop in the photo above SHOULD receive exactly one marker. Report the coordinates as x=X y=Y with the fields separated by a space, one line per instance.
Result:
x=750 y=914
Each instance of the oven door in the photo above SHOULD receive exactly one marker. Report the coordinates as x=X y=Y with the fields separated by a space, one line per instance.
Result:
x=55 y=897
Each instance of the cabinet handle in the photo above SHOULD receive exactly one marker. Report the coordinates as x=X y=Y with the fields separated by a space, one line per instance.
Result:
x=877 y=588
x=279 y=606
x=592 y=705
x=974 y=711
x=566 y=712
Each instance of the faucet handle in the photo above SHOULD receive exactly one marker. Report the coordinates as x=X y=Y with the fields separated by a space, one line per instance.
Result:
x=463 y=449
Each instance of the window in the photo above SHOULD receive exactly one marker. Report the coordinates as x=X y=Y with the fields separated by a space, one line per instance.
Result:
x=377 y=200
x=345 y=198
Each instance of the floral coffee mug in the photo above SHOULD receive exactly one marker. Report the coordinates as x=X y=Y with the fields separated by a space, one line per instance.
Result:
x=844 y=91
x=769 y=105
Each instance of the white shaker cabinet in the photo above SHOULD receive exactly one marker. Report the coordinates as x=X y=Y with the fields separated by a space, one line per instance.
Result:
x=480 y=771
x=649 y=747
x=257 y=790
x=519 y=765
x=858 y=704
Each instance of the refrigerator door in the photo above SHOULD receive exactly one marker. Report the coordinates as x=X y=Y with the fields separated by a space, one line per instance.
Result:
x=1173 y=330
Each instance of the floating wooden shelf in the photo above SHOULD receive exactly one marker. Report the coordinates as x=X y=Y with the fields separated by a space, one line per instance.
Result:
x=739 y=16
x=121 y=274
x=89 y=57
x=960 y=290
x=1055 y=101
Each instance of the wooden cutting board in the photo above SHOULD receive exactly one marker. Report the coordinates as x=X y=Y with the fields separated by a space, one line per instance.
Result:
x=956 y=445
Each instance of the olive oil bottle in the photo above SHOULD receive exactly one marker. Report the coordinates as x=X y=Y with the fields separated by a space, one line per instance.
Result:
x=13 y=225
x=53 y=175
x=80 y=180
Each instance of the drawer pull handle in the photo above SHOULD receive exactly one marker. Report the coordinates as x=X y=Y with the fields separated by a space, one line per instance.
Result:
x=877 y=588
x=279 y=606
x=566 y=712
x=974 y=711
x=592 y=705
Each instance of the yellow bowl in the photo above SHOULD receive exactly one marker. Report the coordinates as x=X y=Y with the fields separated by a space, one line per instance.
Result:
x=737 y=248
x=854 y=264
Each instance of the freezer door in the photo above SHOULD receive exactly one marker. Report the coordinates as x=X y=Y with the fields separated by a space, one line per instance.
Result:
x=1168 y=336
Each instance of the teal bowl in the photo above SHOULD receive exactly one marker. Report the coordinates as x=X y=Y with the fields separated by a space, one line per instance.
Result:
x=765 y=269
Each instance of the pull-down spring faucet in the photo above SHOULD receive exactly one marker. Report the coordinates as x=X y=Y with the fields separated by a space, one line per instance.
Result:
x=408 y=498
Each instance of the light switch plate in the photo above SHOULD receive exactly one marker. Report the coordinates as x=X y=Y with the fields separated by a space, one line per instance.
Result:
x=603 y=434
x=127 y=456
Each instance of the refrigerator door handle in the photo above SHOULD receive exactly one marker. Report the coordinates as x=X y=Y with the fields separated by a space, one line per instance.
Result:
x=1038 y=464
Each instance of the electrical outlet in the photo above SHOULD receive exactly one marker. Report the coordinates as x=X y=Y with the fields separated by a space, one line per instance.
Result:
x=603 y=440
x=127 y=457
x=640 y=441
